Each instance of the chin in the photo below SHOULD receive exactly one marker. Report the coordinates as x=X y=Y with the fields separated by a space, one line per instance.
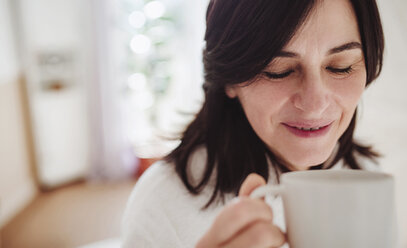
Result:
x=307 y=160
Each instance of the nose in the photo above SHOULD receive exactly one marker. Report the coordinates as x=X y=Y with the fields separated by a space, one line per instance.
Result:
x=312 y=96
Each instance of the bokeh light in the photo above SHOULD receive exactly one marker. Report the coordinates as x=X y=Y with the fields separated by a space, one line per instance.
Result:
x=137 y=19
x=140 y=44
x=154 y=9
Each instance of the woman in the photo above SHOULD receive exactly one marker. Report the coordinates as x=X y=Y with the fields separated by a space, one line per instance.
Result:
x=282 y=83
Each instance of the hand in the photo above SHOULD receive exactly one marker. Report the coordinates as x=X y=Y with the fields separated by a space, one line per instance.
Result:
x=244 y=223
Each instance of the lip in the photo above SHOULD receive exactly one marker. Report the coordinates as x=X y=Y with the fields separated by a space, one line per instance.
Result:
x=325 y=127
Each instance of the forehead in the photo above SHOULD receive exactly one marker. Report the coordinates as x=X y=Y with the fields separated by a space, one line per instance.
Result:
x=330 y=23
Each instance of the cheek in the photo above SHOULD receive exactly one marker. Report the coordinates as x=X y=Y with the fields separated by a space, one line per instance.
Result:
x=348 y=94
x=262 y=104
x=349 y=91
x=263 y=98
x=254 y=108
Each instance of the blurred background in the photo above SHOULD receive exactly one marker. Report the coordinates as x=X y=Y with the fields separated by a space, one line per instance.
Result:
x=92 y=90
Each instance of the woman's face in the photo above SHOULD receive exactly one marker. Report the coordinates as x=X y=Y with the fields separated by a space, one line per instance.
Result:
x=305 y=99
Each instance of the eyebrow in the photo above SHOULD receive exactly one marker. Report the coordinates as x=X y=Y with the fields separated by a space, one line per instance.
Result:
x=338 y=49
x=344 y=47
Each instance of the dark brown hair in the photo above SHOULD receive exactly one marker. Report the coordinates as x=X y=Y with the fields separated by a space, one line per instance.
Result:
x=242 y=37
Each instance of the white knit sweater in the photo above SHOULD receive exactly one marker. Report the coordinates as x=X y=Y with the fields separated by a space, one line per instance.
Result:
x=162 y=213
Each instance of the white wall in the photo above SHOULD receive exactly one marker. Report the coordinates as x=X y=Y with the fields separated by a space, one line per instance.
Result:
x=17 y=187
x=8 y=58
x=383 y=119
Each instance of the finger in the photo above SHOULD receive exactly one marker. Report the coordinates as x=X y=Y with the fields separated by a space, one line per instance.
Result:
x=260 y=234
x=237 y=216
x=251 y=182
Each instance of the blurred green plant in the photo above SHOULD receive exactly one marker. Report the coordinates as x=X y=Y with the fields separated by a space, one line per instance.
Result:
x=150 y=28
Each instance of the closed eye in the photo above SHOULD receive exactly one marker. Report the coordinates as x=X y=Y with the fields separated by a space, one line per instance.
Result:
x=346 y=70
x=272 y=75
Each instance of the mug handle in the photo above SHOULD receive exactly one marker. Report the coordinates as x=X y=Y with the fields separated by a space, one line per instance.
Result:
x=265 y=190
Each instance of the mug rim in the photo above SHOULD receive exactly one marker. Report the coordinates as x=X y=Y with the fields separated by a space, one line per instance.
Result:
x=335 y=177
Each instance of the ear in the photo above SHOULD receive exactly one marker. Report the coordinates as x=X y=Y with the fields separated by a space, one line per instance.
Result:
x=230 y=91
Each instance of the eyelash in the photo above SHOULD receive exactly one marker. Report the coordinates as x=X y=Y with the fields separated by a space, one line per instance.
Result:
x=346 y=70
x=278 y=75
x=285 y=74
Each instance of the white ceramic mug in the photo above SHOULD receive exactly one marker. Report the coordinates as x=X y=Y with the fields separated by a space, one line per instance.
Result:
x=337 y=208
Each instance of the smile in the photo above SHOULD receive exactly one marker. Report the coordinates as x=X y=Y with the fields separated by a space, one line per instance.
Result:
x=307 y=131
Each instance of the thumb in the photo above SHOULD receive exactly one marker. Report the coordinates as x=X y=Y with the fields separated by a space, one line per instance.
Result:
x=251 y=182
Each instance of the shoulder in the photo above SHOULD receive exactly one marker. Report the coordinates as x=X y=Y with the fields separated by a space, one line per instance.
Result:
x=158 y=184
x=159 y=175
x=162 y=177
x=144 y=210
x=161 y=208
x=161 y=183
